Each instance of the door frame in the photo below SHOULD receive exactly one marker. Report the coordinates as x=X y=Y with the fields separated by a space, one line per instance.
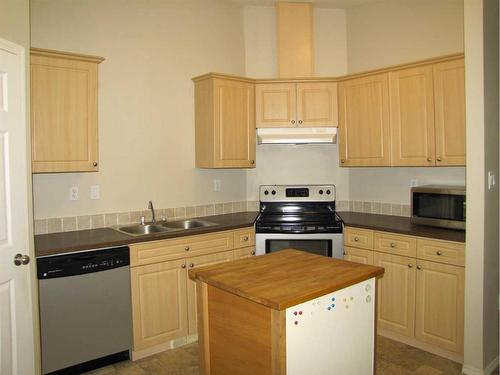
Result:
x=20 y=51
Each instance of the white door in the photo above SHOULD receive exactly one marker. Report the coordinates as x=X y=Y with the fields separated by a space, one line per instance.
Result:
x=17 y=349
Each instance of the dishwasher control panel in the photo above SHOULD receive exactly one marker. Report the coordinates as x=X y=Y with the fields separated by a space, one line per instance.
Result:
x=82 y=262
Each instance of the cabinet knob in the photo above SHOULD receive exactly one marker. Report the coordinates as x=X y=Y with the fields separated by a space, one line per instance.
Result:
x=345 y=253
x=293 y=122
x=95 y=164
x=438 y=158
x=429 y=160
x=300 y=121
x=183 y=266
x=191 y=265
x=439 y=252
x=410 y=265
x=393 y=244
x=253 y=253
x=356 y=239
x=187 y=248
x=419 y=267
x=245 y=238
x=252 y=162
x=342 y=161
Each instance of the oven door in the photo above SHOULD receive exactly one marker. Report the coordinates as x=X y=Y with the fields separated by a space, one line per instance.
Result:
x=327 y=244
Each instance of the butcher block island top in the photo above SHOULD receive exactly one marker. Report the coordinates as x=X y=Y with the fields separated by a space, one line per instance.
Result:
x=285 y=278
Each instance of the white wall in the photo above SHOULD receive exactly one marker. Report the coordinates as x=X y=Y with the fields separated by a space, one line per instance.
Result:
x=288 y=164
x=146 y=106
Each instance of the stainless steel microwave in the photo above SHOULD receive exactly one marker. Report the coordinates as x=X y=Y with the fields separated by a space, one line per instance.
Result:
x=439 y=206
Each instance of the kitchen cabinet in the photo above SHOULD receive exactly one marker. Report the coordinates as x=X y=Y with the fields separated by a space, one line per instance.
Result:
x=449 y=104
x=412 y=117
x=64 y=125
x=224 y=122
x=440 y=305
x=163 y=298
x=296 y=104
x=364 y=127
x=421 y=294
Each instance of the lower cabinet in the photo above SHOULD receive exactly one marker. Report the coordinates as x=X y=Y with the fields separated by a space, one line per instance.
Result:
x=358 y=255
x=246 y=252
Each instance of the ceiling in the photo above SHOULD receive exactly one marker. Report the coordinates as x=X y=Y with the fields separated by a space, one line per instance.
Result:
x=319 y=3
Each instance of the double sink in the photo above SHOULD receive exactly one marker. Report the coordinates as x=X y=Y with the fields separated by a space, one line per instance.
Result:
x=163 y=226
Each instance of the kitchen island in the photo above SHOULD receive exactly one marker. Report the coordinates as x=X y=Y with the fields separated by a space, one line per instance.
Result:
x=289 y=312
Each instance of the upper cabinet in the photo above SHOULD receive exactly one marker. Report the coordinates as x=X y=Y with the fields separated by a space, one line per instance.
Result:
x=364 y=128
x=404 y=116
x=293 y=104
x=224 y=122
x=64 y=127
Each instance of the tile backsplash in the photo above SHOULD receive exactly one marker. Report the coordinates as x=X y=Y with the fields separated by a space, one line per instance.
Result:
x=72 y=223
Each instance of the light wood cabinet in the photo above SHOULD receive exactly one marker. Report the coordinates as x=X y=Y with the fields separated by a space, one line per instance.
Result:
x=357 y=237
x=353 y=254
x=64 y=129
x=159 y=303
x=440 y=305
x=244 y=237
x=364 y=127
x=224 y=122
x=412 y=117
x=194 y=262
x=449 y=101
x=301 y=104
x=395 y=244
x=246 y=252
x=396 y=293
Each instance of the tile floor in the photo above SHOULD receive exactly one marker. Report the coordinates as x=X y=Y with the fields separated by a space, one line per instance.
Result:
x=393 y=358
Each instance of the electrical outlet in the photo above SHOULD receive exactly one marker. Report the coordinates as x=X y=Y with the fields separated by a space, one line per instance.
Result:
x=73 y=193
x=217 y=185
x=95 y=192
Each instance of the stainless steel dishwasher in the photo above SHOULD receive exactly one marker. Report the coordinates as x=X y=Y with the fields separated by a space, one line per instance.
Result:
x=85 y=309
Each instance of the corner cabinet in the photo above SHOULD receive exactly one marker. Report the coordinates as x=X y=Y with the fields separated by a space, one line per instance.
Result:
x=224 y=122
x=64 y=129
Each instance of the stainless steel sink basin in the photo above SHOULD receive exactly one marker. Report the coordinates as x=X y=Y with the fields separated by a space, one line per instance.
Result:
x=188 y=224
x=142 y=229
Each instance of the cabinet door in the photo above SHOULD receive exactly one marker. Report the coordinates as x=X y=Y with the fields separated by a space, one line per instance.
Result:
x=358 y=255
x=275 y=105
x=364 y=128
x=158 y=303
x=193 y=262
x=449 y=98
x=63 y=115
x=412 y=117
x=396 y=294
x=317 y=104
x=440 y=305
x=246 y=252
x=234 y=118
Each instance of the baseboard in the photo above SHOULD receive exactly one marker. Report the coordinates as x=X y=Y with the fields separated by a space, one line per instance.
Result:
x=172 y=344
x=469 y=370
x=456 y=357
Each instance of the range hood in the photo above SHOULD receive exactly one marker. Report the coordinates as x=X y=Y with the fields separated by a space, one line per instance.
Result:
x=296 y=135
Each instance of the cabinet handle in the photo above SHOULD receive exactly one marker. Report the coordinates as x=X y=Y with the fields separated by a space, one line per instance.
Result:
x=419 y=267
x=245 y=238
x=356 y=239
x=300 y=121
x=438 y=158
x=393 y=244
x=253 y=253
x=293 y=122
x=439 y=252
x=183 y=266
x=429 y=160
x=342 y=161
x=187 y=248
x=95 y=164
x=345 y=253
x=252 y=162
x=410 y=265
x=191 y=265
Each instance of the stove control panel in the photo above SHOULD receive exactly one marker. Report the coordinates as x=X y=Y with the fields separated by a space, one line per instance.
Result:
x=297 y=193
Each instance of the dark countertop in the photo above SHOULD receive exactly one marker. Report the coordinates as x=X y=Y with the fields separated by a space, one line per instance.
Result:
x=399 y=224
x=65 y=242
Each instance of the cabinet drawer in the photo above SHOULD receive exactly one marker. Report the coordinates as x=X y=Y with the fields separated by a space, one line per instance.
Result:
x=358 y=255
x=160 y=251
x=245 y=252
x=244 y=237
x=395 y=244
x=355 y=237
x=441 y=251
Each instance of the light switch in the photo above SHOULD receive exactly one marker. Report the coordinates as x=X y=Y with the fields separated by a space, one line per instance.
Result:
x=95 y=192
x=491 y=180
x=217 y=185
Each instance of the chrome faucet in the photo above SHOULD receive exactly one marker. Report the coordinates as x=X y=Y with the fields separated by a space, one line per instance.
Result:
x=150 y=207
